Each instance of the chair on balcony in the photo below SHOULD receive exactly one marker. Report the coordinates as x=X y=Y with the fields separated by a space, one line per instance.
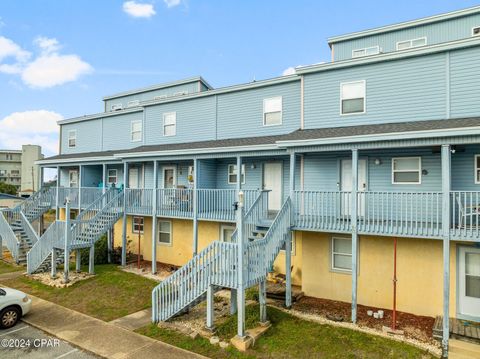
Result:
x=466 y=212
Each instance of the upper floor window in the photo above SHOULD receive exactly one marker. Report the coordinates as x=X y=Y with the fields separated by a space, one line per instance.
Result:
x=476 y=31
x=112 y=176
x=341 y=251
x=170 y=124
x=272 y=111
x=406 y=170
x=72 y=138
x=232 y=174
x=367 y=51
x=9 y=157
x=133 y=103
x=136 y=131
x=477 y=169
x=408 y=44
x=117 y=106
x=352 y=97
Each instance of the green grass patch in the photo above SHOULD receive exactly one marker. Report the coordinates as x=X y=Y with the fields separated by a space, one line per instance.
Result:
x=291 y=337
x=9 y=267
x=110 y=294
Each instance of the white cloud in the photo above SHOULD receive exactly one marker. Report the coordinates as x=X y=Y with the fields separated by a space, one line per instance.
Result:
x=47 y=45
x=30 y=127
x=289 y=71
x=8 y=49
x=137 y=9
x=172 y=3
x=50 y=70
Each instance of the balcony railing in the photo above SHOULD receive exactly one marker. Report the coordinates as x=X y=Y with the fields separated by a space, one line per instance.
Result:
x=465 y=211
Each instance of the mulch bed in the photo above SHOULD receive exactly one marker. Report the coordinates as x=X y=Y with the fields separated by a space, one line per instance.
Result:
x=414 y=326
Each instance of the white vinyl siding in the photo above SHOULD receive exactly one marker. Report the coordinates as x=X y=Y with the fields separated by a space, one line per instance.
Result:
x=137 y=225
x=112 y=176
x=136 y=131
x=165 y=232
x=406 y=170
x=408 y=44
x=352 y=97
x=170 y=124
x=232 y=174
x=272 y=111
x=367 y=51
x=341 y=254
x=72 y=139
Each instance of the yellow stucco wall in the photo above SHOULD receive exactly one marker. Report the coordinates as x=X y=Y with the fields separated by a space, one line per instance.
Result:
x=279 y=264
x=419 y=273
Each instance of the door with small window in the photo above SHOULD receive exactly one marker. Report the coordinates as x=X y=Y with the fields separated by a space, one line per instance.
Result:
x=469 y=282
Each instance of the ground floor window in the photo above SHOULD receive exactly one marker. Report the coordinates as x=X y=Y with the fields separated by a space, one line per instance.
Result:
x=137 y=224
x=226 y=232
x=341 y=250
x=164 y=232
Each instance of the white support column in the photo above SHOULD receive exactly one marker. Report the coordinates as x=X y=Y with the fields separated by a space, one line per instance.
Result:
x=53 y=264
x=262 y=298
x=78 y=260
x=233 y=301
x=354 y=208
x=241 y=262
x=91 y=260
x=57 y=196
x=80 y=184
x=288 y=242
x=154 y=218
x=109 y=232
x=124 y=222
x=195 y=206
x=233 y=292
x=446 y=184
x=68 y=232
x=210 y=309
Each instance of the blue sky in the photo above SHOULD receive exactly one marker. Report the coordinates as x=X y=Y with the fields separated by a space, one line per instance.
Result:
x=59 y=58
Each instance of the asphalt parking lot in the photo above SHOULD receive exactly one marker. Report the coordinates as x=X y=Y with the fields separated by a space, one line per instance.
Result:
x=25 y=342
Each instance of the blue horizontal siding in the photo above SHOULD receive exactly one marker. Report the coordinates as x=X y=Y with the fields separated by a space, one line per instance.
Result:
x=451 y=30
x=89 y=137
x=116 y=131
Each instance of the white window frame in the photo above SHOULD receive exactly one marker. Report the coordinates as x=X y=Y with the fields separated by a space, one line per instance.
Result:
x=116 y=106
x=333 y=253
x=409 y=158
x=142 y=225
x=70 y=178
x=411 y=43
x=166 y=168
x=473 y=30
x=281 y=110
x=132 y=123
x=169 y=233
x=476 y=169
x=222 y=229
x=364 y=82
x=111 y=176
x=70 y=137
x=365 y=51
x=244 y=172
x=133 y=103
x=170 y=124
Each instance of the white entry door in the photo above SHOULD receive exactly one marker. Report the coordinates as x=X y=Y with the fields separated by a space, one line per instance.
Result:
x=346 y=184
x=135 y=178
x=169 y=177
x=272 y=181
x=469 y=281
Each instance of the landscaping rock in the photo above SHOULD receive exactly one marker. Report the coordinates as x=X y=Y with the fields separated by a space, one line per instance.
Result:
x=224 y=345
x=214 y=340
x=194 y=335
x=58 y=282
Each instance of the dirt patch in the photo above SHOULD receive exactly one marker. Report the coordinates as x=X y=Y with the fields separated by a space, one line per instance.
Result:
x=414 y=326
x=145 y=270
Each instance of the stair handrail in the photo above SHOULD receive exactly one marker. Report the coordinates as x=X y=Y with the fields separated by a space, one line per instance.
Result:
x=32 y=201
x=99 y=203
x=52 y=238
x=257 y=211
x=214 y=265
x=27 y=227
x=9 y=237
x=262 y=252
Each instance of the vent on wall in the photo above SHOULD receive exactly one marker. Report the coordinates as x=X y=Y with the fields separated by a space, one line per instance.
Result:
x=476 y=31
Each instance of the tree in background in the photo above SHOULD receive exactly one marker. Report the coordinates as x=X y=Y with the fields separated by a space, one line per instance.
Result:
x=8 y=188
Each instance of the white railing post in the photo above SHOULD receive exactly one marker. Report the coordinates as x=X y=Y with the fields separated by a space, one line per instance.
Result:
x=446 y=186
x=240 y=265
x=353 y=218
x=124 y=221
x=57 y=196
x=288 y=242
x=154 y=217
x=80 y=177
x=195 y=206
x=68 y=231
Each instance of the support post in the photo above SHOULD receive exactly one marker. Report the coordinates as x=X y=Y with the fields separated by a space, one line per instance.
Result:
x=210 y=308
x=233 y=301
x=446 y=184
x=1 y=248
x=124 y=221
x=262 y=298
x=240 y=262
x=57 y=196
x=109 y=245
x=288 y=242
x=78 y=260
x=53 y=264
x=91 y=260
x=68 y=232
x=195 y=206
x=154 y=218
x=354 y=214
x=80 y=181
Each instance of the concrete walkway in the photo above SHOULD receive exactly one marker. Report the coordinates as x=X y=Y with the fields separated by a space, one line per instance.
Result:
x=96 y=336
x=134 y=321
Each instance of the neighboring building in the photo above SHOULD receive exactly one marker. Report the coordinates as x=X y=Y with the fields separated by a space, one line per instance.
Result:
x=382 y=143
x=9 y=201
x=18 y=168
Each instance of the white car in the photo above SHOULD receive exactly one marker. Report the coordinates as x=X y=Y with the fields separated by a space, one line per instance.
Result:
x=13 y=305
